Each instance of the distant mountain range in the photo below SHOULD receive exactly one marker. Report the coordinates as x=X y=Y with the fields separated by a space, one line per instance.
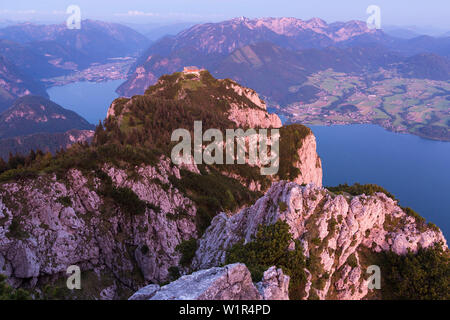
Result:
x=95 y=37
x=30 y=53
x=34 y=122
x=402 y=33
x=14 y=83
x=291 y=33
x=36 y=46
x=155 y=31
x=273 y=54
x=34 y=114
x=46 y=142
x=32 y=62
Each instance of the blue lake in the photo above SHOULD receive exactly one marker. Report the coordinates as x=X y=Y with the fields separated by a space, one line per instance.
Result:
x=415 y=170
x=90 y=100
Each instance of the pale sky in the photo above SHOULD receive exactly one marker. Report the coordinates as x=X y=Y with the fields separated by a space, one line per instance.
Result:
x=433 y=13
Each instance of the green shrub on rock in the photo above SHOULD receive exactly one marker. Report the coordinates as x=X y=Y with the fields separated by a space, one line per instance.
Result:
x=270 y=247
x=187 y=249
x=421 y=276
x=9 y=293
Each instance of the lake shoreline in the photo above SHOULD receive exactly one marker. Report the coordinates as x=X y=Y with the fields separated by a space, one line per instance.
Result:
x=91 y=100
x=388 y=129
x=414 y=169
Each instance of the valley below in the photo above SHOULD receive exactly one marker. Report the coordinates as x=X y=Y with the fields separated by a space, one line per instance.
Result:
x=415 y=106
x=115 y=69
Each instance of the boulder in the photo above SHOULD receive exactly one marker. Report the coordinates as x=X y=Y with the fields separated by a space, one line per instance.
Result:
x=274 y=285
x=232 y=282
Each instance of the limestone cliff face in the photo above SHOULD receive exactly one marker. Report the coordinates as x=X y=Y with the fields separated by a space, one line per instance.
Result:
x=232 y=282
x=332 y=227
x=47 y=225
x=253 y=118
x=309 y=163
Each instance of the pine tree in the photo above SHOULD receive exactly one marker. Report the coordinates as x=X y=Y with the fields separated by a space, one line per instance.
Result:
x=100 y=134
x=3 y=165
x=30 y=158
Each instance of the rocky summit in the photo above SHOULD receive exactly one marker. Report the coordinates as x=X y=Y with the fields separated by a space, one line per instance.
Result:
x=141 y=227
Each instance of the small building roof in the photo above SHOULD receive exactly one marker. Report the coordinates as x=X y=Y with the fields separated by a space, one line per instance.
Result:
x=191 y=68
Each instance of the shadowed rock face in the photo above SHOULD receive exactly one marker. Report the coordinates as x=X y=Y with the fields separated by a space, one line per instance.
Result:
x=36 y=123
x=232 y=282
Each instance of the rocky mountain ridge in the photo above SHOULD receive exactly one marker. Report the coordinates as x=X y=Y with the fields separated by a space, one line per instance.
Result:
x=208 y=44
x=331 y=227
x=314 y=31
x=14 y=84
x=45 y=142
x=35 y=114
x=122 y=221
x=36 y=123
x=255 y=51
x=65 y=49
x=128 y=217
x=340 y=237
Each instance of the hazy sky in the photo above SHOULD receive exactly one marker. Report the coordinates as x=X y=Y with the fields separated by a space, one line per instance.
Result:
x=433 y=13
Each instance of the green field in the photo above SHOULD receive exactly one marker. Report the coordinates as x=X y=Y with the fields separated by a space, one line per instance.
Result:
x=417 y=106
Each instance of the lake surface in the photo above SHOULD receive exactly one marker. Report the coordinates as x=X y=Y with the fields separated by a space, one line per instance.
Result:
x=90 y=100
x=415 y=170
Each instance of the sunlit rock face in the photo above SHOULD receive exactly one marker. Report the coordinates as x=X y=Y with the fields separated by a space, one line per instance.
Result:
x=337 y=227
